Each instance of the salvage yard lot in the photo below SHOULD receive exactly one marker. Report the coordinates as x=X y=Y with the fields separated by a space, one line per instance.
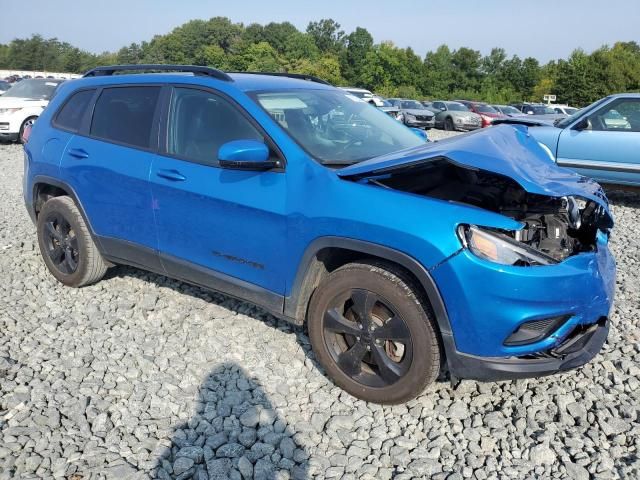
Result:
x=141 y=376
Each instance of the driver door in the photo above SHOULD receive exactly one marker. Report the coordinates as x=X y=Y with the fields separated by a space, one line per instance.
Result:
x=607 y=148
x=221 y=228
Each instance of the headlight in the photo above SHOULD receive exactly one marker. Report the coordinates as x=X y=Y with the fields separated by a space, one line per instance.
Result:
x=408 y=116
x=4 y=111
x=458 y=120
x=500 y=248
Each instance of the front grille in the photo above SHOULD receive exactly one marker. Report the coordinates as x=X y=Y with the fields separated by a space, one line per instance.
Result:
x=4 y=125
x=424 y=118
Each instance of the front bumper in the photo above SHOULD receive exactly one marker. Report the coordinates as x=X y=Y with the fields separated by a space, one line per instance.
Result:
x=9 y=126
x=487 y=302
x=8 y=137
x=468 y=126
x=420 y=123
x=574 y=352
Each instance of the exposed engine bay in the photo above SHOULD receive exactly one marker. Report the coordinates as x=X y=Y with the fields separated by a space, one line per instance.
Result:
x=558 y=227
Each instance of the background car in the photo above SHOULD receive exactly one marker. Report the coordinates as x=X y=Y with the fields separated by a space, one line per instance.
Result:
x=564 y=109
x=22 y=104
x=414 y=113
x=508 y=110
x=601 y=141
x=487 y=113
x=539 y=110
x=365 y=94
x=390 y=109
x=455 y=116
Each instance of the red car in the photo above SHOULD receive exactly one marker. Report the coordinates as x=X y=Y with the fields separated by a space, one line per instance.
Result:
x=486 y=112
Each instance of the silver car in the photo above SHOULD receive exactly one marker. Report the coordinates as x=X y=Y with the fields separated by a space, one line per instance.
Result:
x=455 y=116
x=414 y=113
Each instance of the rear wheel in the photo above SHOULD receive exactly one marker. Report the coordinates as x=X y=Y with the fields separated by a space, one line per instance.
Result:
x=66 y=244
x=27 y=123
x=372 y=334
x=448 y=124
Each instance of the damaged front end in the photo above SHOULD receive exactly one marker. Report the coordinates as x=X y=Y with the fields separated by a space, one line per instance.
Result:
x=554 y=228
x=507 y=172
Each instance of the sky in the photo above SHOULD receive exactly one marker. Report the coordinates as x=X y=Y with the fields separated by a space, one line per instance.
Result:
x=543 y=29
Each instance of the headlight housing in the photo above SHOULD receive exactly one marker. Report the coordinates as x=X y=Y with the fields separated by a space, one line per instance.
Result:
x=408 y=116
x=4 y=111
x=500 y=248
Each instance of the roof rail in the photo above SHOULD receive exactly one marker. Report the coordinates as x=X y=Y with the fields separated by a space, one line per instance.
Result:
x=299 y=76
x=195 y=69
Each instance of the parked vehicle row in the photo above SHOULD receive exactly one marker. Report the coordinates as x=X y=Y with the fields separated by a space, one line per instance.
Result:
x=475 y=255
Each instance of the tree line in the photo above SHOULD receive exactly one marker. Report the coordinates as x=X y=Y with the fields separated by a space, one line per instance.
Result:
x=354 y=59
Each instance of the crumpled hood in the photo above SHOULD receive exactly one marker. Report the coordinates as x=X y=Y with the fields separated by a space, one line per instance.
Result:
x=508 y=150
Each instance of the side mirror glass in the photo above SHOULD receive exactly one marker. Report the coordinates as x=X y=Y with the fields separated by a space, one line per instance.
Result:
x=583 y=124
x=245 y=155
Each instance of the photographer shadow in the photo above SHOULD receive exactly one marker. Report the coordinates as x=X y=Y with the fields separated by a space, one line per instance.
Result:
x=235 y=433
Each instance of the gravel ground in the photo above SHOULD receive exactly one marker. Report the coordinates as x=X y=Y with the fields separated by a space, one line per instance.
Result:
x=140 y=376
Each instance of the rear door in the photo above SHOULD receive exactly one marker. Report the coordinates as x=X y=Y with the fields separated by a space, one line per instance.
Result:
x=218 y=227
x=608 y=149
x=107 y=164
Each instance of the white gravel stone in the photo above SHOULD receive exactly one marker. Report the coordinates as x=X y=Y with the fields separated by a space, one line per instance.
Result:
x=140 y=376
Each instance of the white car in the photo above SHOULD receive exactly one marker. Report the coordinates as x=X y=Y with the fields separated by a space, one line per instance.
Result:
x=22 y=104
x=564 y=109
x=366 y=95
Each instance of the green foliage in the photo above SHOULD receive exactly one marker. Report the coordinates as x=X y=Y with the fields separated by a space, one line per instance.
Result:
x=326 y=51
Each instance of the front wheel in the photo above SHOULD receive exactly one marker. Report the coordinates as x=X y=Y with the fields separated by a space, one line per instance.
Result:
x=448 y=125
x=372 y=334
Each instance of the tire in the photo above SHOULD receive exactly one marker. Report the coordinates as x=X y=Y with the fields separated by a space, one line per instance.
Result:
x=28 y=121
x=66 y=245
x=403 y=354
x=448 y=124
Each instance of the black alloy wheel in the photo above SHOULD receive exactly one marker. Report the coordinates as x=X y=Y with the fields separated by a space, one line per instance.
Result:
x=372 y=330
x=367 y=339
x=61 y=243
x=66 y=245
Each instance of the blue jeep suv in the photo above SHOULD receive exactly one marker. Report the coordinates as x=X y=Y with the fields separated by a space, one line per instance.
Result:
x=476 y=256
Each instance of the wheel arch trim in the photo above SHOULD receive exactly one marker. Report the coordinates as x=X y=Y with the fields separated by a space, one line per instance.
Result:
x=44 y=179
x=297 y=301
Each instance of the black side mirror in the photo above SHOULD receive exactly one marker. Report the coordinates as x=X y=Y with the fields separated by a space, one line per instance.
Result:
x=583 y=124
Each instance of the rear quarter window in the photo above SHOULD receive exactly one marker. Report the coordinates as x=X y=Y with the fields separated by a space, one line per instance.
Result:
x=125 y=115
x=70 y=116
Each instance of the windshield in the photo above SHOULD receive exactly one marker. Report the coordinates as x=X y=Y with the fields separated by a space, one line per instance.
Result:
x=565 y=122
x=33 y=89
x=510 y=110
x=335 y=127
x=457 y=107
x=412 y=105
x=485 y=108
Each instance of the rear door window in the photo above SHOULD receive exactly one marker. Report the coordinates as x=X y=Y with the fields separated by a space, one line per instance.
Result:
x=125 y=115
x=70 y=115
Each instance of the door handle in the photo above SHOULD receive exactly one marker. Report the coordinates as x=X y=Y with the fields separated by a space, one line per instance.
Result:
x=173 y=175
x=78 y=153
